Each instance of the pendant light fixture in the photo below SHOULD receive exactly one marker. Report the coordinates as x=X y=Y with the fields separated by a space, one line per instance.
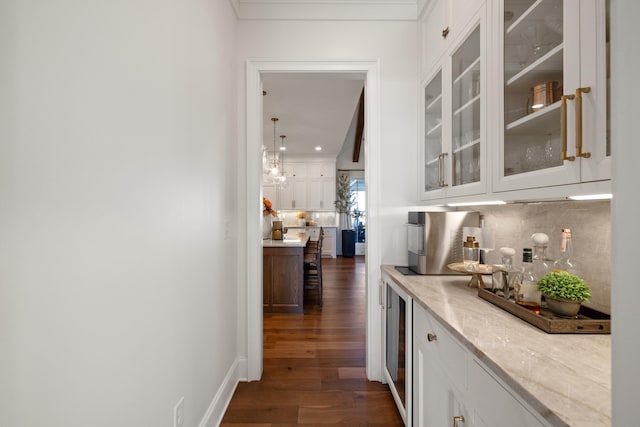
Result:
x=274 y=165
x=283 y=175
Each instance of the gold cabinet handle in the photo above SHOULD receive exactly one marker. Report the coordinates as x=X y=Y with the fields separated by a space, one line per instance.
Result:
x=431 y=337
x=441 y=157
x=445 y=33
x=563 y=127
x=457 y=420
x=579 y=93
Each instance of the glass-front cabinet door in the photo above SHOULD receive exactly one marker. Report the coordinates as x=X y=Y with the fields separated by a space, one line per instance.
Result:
x=433 y=166
x=466 y=112
x=453 y=154
x=554 y=94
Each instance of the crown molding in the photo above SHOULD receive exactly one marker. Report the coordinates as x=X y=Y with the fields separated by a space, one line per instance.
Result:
x=334 y=10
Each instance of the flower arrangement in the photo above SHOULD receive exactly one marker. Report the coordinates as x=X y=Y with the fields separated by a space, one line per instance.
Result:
x=267 y=207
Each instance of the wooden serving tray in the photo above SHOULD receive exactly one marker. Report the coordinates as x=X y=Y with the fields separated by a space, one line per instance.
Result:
x=588 y=321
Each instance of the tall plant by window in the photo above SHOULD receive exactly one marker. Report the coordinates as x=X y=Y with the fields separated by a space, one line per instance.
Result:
x=344 y=200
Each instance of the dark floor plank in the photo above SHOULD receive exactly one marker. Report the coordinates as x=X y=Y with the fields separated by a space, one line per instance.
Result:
x=314 y=364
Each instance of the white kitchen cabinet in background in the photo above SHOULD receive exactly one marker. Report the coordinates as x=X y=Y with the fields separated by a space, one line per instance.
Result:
x=321 y=186
x=309 y=187
x=293 y=195
x=321 y=194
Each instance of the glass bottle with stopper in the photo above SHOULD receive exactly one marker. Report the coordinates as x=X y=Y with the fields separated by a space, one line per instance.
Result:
x=541 y=263
x=566 y=262
x=527 y=294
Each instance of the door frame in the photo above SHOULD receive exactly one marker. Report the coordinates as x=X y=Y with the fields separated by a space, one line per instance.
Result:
x=255 y=69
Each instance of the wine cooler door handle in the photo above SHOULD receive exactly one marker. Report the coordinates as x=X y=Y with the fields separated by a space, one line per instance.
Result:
x=563 y=127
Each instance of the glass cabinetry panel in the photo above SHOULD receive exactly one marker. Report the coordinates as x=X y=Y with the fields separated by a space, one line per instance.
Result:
x=433 y=133
x=465 y=106
x=533 y=83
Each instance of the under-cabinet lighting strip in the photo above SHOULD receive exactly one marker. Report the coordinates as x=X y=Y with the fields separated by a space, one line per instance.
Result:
x=592 y=197
x=488 y=202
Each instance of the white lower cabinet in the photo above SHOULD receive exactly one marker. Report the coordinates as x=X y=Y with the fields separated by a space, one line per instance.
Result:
x=439 y=379
x=451 y=387
x=493 y=404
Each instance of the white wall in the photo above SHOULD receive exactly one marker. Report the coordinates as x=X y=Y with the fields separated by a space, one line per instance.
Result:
x=117 y=154
x=394 y=44
x=625 y=211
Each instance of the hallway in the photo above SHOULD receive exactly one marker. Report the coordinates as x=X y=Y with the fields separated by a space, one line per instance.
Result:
x=314 y=365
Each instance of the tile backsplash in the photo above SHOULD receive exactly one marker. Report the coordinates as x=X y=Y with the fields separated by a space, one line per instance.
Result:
x=590 y=222
x=325 y=218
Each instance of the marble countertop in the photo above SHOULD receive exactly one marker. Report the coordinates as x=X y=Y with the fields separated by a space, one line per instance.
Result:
x=565 y=377
x=293 y=239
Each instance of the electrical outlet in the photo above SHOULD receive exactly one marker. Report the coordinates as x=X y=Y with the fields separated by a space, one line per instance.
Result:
x=178 y=413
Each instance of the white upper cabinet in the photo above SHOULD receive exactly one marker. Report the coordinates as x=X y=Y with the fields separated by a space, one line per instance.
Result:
x=321 y=170
x=434 y=32
x=452 y=151
x=552 y=126
x=514 y=107
x=309 y=186
x=441 y=22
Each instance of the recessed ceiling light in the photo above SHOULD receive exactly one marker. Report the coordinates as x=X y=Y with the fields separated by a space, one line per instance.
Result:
x=318 y=148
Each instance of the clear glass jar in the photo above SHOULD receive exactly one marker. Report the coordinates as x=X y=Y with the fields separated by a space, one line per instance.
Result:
x=471 y=254
x=504 y=275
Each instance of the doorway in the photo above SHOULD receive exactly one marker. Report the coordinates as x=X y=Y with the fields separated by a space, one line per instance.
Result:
x=367 y=70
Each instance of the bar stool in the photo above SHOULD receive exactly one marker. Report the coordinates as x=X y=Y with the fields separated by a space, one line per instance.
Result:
x=313 y=265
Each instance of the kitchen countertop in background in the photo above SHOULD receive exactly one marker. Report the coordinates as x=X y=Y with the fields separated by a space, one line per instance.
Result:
x=291 y=240
x=565 y=377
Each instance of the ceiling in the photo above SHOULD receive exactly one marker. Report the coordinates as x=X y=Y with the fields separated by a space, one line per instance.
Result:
x=312 y=110
x=329 y=9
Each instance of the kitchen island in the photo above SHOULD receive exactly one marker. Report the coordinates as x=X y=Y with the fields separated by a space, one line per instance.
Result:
x=283 y=273
x=564 y=378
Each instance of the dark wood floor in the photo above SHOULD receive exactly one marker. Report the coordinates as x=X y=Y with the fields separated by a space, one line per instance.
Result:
x=314 y=364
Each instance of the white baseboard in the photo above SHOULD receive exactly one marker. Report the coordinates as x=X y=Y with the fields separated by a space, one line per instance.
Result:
x=218 y=406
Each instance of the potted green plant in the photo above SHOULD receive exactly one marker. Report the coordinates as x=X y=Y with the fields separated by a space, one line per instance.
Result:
x=344 y=201
x=344 y=198
x=564 y=292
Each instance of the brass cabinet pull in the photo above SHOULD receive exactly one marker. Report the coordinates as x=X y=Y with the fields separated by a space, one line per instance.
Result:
x=441 y=157
x=431 y=337
x=579 y=93
x=445 y=33
x=563 y=127
x=457 y=420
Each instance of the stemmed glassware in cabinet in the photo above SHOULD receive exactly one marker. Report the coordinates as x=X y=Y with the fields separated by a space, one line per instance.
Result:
x=433 y=133
x=466 y=111
x=533 y=76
